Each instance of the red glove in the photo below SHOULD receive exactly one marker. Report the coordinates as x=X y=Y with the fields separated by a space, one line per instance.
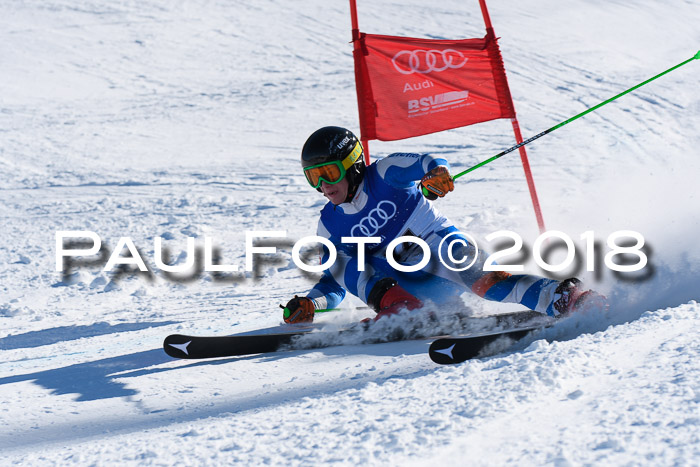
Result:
x=437 y=183
x=299 y=310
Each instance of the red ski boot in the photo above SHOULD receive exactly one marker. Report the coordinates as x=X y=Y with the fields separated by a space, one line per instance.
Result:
x=388 y=298
x=570 y=297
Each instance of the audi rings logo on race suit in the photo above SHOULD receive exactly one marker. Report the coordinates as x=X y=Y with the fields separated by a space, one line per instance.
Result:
x=375 y=220
x=427 y=61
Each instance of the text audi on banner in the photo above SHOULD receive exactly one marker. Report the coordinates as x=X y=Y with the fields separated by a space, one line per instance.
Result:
x=410 y=87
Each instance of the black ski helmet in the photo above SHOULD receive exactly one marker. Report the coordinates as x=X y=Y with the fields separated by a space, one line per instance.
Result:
x=333 y=143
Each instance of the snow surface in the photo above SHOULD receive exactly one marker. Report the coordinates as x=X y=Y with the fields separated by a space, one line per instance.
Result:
x=185 y=119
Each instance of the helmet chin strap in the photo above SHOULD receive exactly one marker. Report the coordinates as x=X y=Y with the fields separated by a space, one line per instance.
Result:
x=355 y=175
x=351 y=195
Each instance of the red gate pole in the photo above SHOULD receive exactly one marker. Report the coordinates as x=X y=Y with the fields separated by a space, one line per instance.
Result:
x=518 y=136
x=356 y=47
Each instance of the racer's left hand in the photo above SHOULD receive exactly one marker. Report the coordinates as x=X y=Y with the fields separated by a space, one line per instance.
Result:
x=437 y=183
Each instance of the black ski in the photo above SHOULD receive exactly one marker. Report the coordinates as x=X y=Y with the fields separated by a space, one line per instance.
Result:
x=284 y=337
x=195 y=347
x=448 y=350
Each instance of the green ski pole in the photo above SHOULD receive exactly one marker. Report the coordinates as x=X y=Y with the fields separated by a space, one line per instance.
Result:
x=287 y=313
x=555 y=127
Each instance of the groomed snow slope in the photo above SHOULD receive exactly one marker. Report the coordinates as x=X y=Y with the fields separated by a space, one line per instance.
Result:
x=185 y=119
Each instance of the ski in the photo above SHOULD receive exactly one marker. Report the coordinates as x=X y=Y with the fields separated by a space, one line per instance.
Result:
x=286 y=336
x=458 y=349
x=255 y=342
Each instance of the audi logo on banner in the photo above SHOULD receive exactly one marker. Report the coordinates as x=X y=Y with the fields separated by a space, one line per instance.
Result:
x=428 y=61
x=375 y=220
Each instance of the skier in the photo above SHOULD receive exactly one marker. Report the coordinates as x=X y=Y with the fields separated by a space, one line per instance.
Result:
x=383 y=200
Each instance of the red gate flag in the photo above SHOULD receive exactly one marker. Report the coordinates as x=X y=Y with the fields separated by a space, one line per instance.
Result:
x=410 y=87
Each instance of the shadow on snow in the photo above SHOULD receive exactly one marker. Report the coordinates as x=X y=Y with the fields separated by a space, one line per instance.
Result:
x=93 y=380
x=99 y=379
x=68 y=333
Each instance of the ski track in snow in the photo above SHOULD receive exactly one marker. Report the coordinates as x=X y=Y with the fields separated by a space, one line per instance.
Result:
x=185 y=120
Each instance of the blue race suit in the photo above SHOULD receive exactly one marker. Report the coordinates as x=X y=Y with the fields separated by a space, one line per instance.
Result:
x=389 y=204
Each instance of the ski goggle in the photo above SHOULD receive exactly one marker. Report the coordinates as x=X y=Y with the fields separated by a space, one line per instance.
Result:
x=332 y=172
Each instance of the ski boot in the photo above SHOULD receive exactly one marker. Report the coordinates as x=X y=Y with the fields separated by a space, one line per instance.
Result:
x=570 y=297
x=389 y=298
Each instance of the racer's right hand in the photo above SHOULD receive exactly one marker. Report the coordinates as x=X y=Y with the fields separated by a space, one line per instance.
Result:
x=298 y=310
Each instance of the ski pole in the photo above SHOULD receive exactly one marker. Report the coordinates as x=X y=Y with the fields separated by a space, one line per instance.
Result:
x=529 y=140
x=324 y=310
